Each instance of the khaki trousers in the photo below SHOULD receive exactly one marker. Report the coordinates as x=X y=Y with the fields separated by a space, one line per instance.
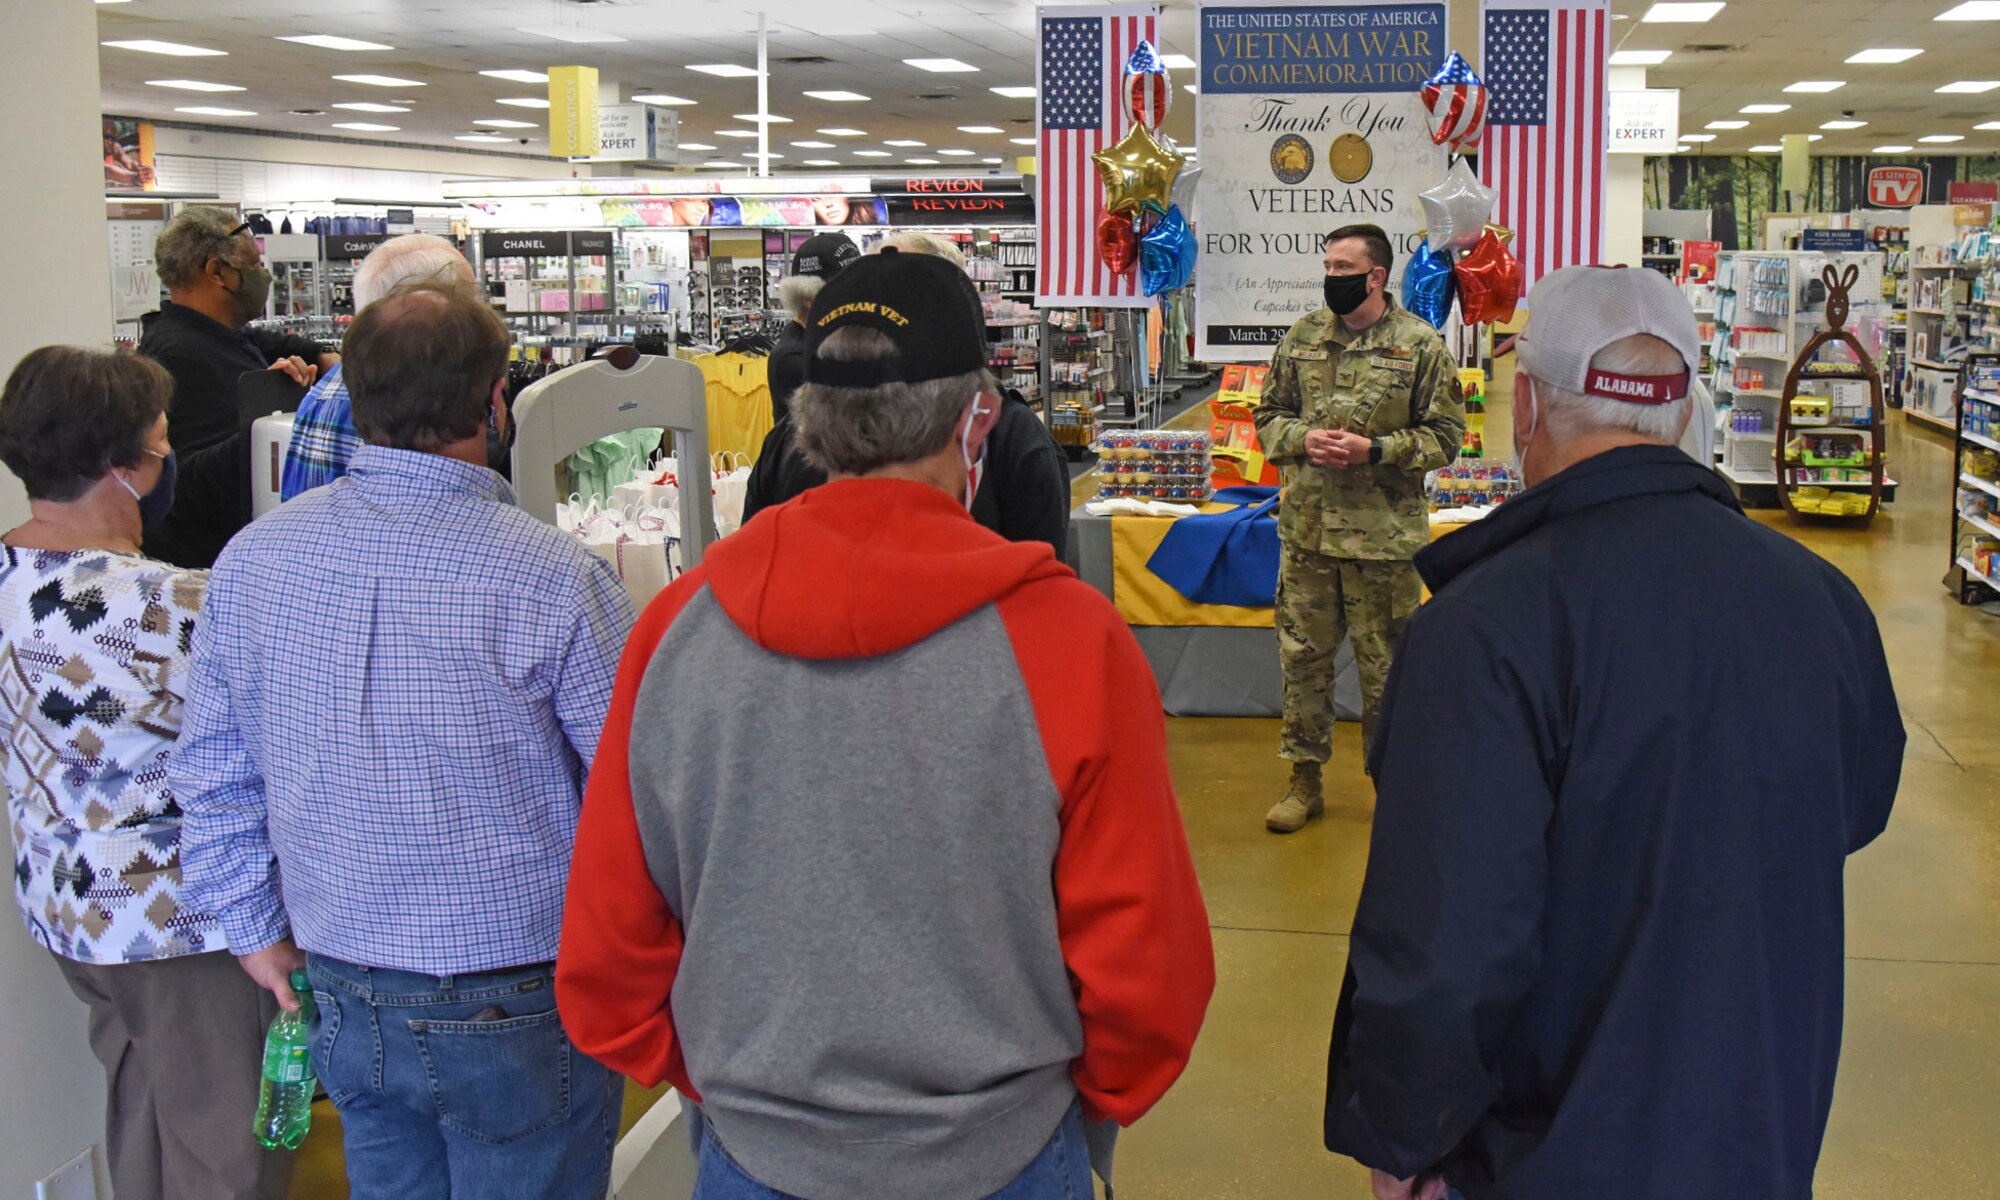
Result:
x=182 y=1043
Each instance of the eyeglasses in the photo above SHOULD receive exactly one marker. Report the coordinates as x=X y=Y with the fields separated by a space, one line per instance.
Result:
x=243 y=228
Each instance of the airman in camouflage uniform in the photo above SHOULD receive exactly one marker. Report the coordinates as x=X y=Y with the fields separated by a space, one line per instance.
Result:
x=1355 y=409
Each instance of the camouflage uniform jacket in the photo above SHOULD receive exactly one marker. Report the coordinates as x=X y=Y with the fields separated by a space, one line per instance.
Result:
x=1394 y=382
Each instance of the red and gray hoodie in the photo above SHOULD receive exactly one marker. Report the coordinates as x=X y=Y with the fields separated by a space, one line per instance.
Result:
x=879 y=859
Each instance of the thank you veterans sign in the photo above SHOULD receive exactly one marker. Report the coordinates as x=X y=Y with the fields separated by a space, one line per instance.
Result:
x=1309 y=120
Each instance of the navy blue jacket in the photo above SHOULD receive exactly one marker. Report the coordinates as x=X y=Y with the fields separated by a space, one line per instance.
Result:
x=1624 y=755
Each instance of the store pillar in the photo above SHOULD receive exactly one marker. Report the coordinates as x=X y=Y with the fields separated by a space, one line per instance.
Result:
x=1625 y=188
x=56 y=247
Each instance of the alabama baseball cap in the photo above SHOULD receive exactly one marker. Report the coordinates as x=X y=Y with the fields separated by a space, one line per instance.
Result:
x=1578 y=311
x=824 y=254
x=925 y=305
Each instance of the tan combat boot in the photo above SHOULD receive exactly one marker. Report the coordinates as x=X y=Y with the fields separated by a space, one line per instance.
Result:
x=1303 y=801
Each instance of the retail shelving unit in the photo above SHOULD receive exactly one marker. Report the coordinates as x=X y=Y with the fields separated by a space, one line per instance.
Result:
x=1975 y=510
x=1828 y=431
x=1939 y=320
x=1760 y=326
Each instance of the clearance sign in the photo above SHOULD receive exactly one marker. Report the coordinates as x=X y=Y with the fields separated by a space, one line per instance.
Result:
x=1309 y=120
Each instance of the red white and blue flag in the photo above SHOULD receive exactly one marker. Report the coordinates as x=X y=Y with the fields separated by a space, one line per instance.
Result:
x=1546 y=123
x=1081 y=109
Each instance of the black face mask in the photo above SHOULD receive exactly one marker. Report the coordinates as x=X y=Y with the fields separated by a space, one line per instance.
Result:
x=1345 y=293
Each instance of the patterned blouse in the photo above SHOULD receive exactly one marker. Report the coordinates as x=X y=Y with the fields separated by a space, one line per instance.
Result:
x=93 y=672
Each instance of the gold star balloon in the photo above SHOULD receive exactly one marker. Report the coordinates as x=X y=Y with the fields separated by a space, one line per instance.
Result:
x=1139 y=168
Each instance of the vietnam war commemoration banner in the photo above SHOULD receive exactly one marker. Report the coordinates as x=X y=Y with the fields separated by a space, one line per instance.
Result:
x=1309 y=120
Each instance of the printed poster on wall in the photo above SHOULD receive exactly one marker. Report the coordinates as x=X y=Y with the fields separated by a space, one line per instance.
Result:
x=1309 y=120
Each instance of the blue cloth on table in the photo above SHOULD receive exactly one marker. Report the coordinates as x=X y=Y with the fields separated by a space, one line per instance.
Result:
x=1225 y=557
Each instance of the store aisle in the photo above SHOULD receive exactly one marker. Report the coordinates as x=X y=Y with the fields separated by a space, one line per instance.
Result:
x=1915 y=1100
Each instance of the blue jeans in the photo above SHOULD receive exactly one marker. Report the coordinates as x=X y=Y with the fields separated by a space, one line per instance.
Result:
x=461 y=1086
x=1060 y=1172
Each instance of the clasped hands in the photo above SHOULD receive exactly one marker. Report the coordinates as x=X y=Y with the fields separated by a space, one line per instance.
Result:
x=1337 y=448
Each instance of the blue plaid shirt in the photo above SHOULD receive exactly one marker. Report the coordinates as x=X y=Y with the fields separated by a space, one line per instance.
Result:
x=323 y=437
x=398 y=684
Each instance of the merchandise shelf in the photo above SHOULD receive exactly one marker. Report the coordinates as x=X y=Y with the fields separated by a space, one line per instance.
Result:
x=1988 y=486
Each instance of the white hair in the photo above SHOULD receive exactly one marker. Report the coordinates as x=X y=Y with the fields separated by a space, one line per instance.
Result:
x=411 y=258
x=1568 y=415
x=911 y=241
x=798 y=293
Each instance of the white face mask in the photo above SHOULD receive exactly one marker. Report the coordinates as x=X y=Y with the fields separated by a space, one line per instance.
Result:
x=1521 y=443
x=975 y=469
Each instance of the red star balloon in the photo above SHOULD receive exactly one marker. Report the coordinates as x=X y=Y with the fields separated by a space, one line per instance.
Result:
x=1117 y=241
x=1490 y=281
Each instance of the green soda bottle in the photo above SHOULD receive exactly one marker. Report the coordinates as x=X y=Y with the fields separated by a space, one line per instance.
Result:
x=284 y=1111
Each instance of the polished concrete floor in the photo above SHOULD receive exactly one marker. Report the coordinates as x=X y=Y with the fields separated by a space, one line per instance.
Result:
x=1917 y=1110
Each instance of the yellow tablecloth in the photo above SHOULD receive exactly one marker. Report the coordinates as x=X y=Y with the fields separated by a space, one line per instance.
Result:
x=1143 y=598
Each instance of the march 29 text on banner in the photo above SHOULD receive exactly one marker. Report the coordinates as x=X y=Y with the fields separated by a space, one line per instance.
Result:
x=1310 y=120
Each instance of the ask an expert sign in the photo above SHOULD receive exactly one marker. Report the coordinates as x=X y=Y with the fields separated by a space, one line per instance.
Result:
x=1310 y=119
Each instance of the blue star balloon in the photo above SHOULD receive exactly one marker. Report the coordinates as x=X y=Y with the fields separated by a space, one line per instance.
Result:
x=1167 y=254
x=1429 y=284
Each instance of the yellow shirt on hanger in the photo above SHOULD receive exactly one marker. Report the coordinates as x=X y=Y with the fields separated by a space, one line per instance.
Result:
x=739 y=402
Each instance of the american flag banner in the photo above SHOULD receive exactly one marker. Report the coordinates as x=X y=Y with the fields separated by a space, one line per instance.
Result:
x=1080 y=110
x=1546 y=122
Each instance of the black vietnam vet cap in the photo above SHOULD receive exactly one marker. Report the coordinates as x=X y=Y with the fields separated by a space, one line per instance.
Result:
x=824 y=254
x=925 y=305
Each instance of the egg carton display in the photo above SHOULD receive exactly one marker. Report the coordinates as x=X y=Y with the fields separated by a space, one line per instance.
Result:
x=1154 y=464
x=1477 y=486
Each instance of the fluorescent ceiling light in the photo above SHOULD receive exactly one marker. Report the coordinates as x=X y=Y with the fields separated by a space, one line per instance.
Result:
x=481 y=137
x=872 y=154
x=505 y=123
x=1685 y=14
x=1817 y=85
x=1884 y=56
x=696 y=146
x=210 y=111
x=1726 y=125
x=1697 y=137
x=722 y=165
x=762 y=119
x=366 y=106
x=661 y=98
x=838 y=97
x=1843 y=124
x=576 y=35
x=1893 y=149
x=1942 y=138
x=1177 y=62
x=1766 y=149
x=1987 y=125
x=1022 y=141
x=1640 y=58
x=843 y=132
x=193 y=85
x=959 y=153
x=822 y=162
x=903 y=142
x=725 y=70
x=922 y=162
x=941 y=66
x=763 y=154
x=114 y=1
x=176 y=49
x=512 y=75
x=1765 y=108
x=993 y=162
x=1190 y=89
x=1815 y=137
x=1973 y=87
x=736 y=133
x=812 y=145
x=365 y=127
x=1973 y=10
x=328 y=41
x=980 y=129
x=523 y=101
x=1014 y=93
x=381 y=81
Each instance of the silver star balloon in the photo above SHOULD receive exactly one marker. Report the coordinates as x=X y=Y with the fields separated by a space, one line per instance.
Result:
x=1457 y=207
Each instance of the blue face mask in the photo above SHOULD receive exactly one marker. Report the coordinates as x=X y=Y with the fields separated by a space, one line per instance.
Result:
x=153 y=505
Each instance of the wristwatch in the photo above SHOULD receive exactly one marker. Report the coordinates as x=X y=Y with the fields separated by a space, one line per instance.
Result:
x=1374 y=451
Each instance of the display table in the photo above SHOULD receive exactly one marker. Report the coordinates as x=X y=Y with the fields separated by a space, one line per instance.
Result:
x=1208 y=660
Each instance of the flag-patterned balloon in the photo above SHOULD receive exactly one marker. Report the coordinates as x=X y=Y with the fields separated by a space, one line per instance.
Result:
x=1148 y=93
x=1456 y=101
